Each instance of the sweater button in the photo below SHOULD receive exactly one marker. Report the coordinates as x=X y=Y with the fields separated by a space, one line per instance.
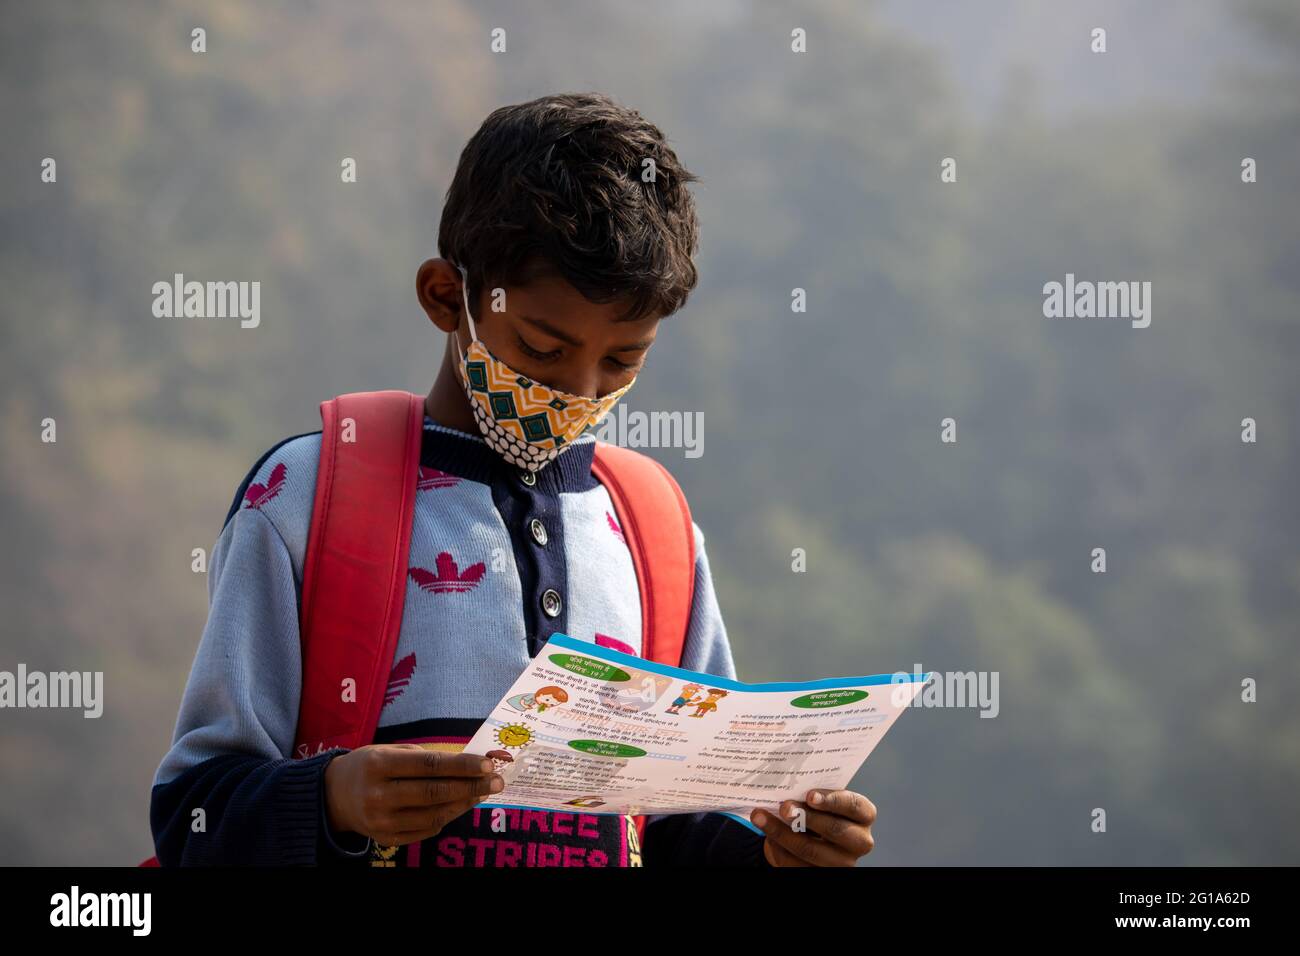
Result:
x=551 y=602
x=528 y=478
x=539 y=531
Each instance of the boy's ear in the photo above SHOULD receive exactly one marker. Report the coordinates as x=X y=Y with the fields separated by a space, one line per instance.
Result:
x=437 y=286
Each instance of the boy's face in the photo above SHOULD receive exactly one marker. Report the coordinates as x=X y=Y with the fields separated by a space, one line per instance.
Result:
x=547 y=331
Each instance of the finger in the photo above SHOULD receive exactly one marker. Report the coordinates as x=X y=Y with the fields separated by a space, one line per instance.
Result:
x=780 y=856
x=427 y=791
x=849 y=834
x=845 y=803
x=399 y=762
x=809 y=847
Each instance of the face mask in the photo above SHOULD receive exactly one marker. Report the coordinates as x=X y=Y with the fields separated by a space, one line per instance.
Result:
x=525 y=422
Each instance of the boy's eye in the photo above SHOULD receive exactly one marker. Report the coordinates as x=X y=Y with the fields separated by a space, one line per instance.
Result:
x=553 y=354
x=535 y=353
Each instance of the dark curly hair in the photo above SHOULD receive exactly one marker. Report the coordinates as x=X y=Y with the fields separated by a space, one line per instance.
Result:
x=554 y=187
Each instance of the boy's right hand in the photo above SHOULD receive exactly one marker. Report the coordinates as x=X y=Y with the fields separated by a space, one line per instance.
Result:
x=400 y=793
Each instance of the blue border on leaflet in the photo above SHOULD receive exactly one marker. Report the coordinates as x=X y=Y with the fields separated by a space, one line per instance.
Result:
x=631 y=660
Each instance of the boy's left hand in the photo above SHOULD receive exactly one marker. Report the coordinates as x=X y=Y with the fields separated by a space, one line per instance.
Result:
x=837 y=830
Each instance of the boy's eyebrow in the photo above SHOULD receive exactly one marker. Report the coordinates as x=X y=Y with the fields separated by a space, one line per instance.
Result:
x=638 y=346
x=563 y=336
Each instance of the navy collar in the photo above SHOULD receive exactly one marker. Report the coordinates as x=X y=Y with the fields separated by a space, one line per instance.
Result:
x=468 y=456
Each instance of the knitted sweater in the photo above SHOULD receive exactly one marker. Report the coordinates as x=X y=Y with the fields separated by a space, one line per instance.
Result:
x=486 y=544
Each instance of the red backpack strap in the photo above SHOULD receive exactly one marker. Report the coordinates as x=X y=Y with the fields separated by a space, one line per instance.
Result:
x=354 y=579
x=656 y=524
x=354 y=576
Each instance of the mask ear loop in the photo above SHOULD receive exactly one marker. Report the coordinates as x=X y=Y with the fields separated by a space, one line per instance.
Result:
x=464 y=291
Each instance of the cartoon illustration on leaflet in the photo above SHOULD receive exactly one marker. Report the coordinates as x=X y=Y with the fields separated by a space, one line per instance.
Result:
x=539 y=700
x=707 y=706
x=500 y=759
x=685 y=698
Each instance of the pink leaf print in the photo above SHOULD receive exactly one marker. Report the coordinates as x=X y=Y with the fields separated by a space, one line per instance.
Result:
x=448 y=578
x=604 y=640
x=258 y=495
x=433 y=478
x=399 y=678
x=613 y=526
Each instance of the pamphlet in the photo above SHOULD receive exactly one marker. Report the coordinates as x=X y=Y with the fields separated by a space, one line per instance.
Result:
x=588 y=728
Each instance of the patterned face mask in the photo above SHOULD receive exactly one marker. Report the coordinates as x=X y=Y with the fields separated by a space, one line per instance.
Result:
x=525 y=422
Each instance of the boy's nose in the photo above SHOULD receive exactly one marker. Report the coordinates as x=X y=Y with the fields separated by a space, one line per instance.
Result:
x=584 y=382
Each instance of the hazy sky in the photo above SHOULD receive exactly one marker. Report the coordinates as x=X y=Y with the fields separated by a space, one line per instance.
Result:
x=986 y=43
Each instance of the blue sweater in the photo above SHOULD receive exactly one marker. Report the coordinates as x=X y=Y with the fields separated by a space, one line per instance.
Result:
x=472 y=620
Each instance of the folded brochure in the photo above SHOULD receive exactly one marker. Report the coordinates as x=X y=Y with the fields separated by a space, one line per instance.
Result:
x=590 y=729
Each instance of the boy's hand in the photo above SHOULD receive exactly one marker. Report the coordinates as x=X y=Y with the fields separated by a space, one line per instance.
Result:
x=838 y=830
x=400 y=793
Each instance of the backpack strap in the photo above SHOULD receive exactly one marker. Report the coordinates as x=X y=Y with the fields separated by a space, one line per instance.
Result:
x=354 y=575
x=354 y=578
x=657 y=526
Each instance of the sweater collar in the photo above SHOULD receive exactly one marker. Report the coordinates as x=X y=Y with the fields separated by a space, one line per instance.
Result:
x=468 y=456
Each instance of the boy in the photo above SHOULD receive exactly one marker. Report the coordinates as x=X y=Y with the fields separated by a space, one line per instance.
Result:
x=559 y=263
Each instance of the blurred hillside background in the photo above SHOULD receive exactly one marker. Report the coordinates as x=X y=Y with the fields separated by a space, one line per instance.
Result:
x=821 y=430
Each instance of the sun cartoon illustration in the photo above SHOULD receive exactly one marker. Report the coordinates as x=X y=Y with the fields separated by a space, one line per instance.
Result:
x=514 y=736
